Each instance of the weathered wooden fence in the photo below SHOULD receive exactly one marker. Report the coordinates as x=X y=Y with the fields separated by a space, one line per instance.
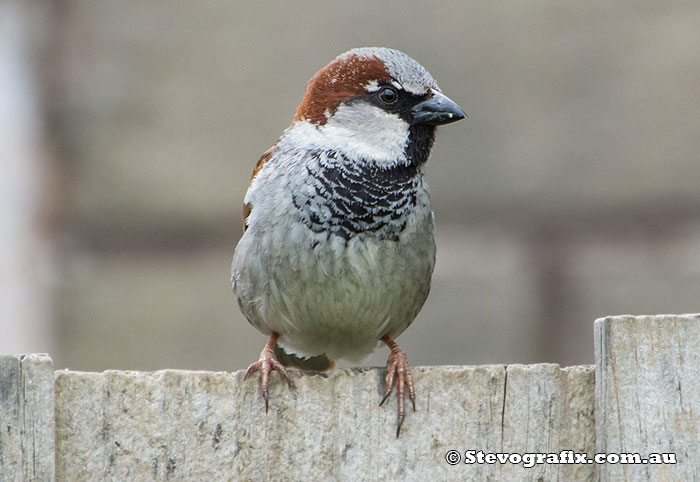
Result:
x=643 y=396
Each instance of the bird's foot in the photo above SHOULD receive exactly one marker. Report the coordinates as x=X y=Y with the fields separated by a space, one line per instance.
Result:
x=397 y=368
x=266 y=364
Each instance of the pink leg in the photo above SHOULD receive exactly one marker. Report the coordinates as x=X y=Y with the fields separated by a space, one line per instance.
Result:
x=267 y=363
x=397 y=366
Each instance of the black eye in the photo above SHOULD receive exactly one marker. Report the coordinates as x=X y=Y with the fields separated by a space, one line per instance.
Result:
x=388 y=95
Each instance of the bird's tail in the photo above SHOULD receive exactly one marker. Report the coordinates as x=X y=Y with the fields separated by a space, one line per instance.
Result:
x=319 y=363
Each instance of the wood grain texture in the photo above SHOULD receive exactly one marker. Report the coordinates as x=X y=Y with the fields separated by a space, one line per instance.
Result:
x=648 y=394
x=177 y=425
x=181 y=425
x=26 y=418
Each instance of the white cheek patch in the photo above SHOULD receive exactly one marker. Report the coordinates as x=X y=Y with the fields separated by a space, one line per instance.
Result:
x=364 y=131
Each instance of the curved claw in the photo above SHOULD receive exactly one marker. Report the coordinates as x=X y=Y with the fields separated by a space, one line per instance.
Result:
x=387 y=392
x=253 y=367
x=266 y=364
x=397 y=369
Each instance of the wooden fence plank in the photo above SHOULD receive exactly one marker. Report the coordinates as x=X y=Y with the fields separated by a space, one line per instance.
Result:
x=26 y=418
x=176 y=425
x=179 y=425
x=648 y=394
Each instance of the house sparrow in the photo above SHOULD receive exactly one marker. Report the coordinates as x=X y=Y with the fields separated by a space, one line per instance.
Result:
x=338 y=248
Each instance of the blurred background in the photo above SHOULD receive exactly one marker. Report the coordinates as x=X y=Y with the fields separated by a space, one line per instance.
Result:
x=128 y=132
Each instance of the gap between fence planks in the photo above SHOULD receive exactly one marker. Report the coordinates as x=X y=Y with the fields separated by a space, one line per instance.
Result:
x=642 y=396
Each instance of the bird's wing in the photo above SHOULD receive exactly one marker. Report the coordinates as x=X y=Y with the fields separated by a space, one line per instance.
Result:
x=267 y=155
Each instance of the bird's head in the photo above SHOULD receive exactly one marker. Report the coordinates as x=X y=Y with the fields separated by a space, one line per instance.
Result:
x=374 y=105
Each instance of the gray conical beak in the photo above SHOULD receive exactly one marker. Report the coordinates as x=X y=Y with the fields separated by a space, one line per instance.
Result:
x=437 y=110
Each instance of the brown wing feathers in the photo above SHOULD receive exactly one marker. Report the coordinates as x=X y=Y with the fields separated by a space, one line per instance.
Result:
x=258 y=166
